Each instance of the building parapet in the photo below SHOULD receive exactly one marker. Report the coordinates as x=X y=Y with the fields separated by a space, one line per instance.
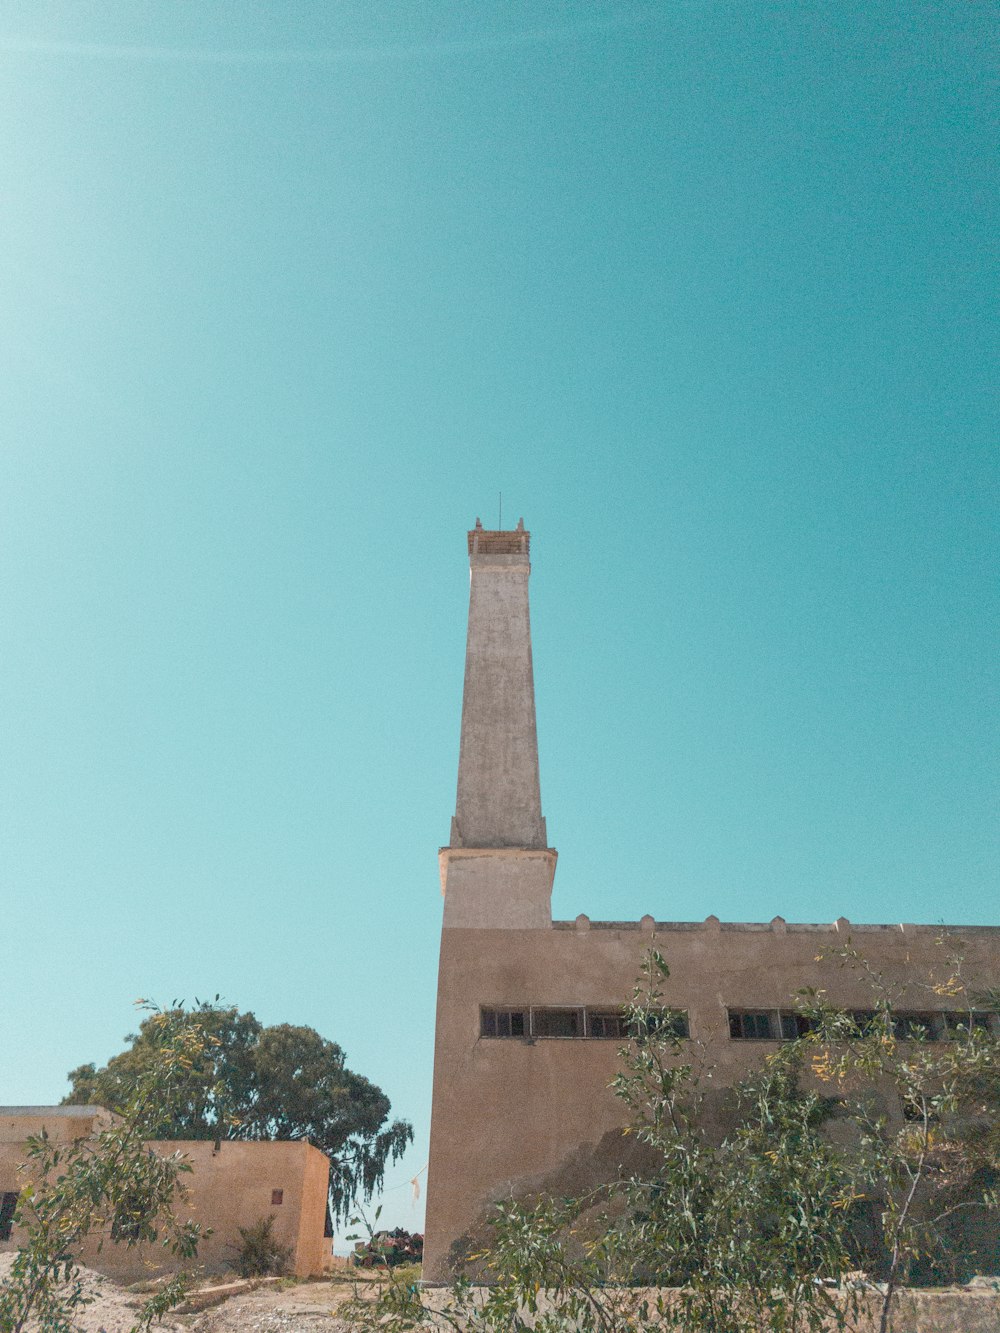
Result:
x=778 y=926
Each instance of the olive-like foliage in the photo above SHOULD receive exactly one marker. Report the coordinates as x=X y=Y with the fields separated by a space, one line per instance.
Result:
x=253 y=1082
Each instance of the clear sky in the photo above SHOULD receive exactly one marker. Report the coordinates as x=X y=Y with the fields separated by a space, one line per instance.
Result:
x=290 y=292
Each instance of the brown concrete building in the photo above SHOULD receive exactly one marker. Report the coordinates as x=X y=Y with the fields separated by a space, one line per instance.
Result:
x=528 y=1008
x=232 y=1186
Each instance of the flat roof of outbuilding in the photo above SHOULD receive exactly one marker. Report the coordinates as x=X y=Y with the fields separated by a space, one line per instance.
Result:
x=68 y=1111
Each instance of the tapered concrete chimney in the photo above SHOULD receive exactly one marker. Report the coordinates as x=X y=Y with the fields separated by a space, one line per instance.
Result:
x=498 y=869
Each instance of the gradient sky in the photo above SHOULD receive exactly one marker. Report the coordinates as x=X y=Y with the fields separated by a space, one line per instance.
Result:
x=290 y=292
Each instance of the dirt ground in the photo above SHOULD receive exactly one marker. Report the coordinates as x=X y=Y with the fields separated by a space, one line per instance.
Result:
x=288 y=1306
x=305 y=1306
x=292 y=1307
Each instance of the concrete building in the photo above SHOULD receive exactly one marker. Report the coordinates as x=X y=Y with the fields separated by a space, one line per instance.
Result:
x=230 y=1186
x=528 y=1010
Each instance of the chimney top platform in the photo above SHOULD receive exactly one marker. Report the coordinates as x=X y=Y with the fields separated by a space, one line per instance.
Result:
x=499 y=541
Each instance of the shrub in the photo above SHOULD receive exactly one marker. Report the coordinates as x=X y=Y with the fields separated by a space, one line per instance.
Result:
x=260 y=1254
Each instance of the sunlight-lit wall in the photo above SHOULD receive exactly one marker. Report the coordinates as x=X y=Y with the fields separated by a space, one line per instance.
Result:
x=535 y=1113
x=232 y=1186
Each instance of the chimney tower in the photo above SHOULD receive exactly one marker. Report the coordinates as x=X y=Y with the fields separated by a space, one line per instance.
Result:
x=498 y=869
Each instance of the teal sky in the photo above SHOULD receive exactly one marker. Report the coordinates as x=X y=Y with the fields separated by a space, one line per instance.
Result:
x=289 y=293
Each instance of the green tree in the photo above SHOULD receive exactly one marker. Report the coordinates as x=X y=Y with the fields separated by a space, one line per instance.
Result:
x=110 y=1185
x=924 y=1100
x=255 y=1082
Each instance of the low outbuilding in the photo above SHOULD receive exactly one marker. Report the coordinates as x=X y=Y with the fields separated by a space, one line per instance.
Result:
x=231 y=1185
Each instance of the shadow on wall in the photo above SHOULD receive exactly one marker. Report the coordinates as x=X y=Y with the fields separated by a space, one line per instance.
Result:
x=971 y=1234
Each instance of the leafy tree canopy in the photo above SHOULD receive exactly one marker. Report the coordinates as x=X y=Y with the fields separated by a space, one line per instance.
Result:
x=253 y=1082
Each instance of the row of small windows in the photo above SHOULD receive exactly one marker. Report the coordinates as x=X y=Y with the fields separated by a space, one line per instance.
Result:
x=907 y=1025
x=596 y=1024
x=744 y=1024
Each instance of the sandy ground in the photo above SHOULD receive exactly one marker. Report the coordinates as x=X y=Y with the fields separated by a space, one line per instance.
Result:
x=305 y=1306
x=294 y=1307
x=112 y=1310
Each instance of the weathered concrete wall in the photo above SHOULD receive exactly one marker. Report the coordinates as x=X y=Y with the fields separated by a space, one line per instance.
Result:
x=513 y=1115
x=61 y=1123
x=507 y=888
x=939 y=1312
x=234 y=1186
x=953 y=1311
x=229 y=1188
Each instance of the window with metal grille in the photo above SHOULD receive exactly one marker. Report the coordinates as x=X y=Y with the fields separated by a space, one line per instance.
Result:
x=794 y=1024
x=607 y=1024
x=751 y=1024
x=8 y=1206
x=913 y=1027
x=863 y=1021
x=557 y=1022
x=503 y=1023
x=666 y=1022
x=960 y=1023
